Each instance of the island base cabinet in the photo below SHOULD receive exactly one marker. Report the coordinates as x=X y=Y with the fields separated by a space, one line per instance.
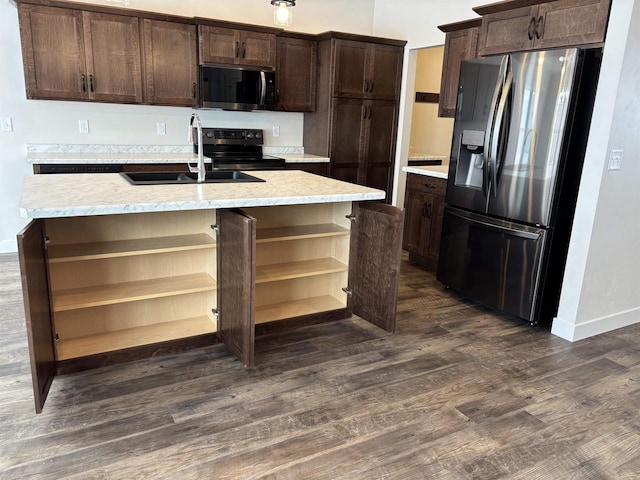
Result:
x=308 y=260
x=105 y=289
x=100 y=290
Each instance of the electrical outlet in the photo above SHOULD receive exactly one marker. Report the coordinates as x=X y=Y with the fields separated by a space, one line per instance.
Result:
x=161 y=128
x=615 y=160
x=83 y=126
x=7 y=126
x=276 y=131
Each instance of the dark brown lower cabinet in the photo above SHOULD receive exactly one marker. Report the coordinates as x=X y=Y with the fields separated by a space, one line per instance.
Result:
x=320 y=168
x=424 y=205
x=107 y=289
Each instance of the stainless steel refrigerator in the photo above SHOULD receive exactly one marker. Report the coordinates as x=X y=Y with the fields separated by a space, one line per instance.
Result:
x=519 y=138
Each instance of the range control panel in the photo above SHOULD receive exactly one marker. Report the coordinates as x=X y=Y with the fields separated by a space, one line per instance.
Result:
x=232 y=136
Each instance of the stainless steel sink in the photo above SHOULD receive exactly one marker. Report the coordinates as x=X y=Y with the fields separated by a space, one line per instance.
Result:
x=170 y=178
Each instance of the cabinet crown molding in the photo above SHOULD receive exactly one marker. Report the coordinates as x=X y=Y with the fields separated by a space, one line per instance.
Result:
x=87 y=7
x=508 y=5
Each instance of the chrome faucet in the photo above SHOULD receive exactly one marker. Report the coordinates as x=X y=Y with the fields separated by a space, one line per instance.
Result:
x=200 y=168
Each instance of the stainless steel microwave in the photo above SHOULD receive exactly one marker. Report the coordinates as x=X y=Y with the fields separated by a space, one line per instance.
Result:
x=237 y=88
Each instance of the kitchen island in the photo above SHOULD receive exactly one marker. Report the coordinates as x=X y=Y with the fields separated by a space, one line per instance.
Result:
x=113 y=271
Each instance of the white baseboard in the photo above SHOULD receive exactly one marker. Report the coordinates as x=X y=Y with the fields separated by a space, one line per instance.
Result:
x=572 y=332
x=8 y=246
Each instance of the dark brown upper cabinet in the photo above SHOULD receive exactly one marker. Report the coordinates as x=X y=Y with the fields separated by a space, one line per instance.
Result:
x=367 y=70
x=223 y=45
x=296 y=72
x=170 y=63
x=71 y=54
x=516 y=25
x=356 y=116
x=461 y=43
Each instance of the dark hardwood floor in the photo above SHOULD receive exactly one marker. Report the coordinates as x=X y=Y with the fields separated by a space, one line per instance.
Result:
x=458 y=392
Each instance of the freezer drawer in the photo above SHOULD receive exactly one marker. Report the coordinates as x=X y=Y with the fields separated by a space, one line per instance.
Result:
x=495 y=262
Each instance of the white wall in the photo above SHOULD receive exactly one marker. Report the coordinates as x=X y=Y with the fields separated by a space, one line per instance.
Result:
x=45 y=121
x=416 y=22
x=430 y=134
x=601 y=286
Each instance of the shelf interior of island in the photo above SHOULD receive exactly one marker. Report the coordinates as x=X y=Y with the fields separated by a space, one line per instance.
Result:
x=302 y=260
x=121 y=281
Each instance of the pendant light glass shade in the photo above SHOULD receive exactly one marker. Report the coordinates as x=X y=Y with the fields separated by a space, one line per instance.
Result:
x=283 y=12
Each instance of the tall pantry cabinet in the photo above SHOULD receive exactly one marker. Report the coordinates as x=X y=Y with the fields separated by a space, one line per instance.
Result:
x=356 y=116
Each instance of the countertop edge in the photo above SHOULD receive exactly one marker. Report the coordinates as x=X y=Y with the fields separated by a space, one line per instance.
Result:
x=35 y=213
x=429 y=171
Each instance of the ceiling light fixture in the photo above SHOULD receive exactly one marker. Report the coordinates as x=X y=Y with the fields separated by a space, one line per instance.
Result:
x=283 y=15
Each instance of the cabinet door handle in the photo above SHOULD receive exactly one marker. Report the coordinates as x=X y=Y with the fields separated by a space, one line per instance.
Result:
x=237 y=49
x=91 y=83
x=364 y=112
x=539 y=27
x=244 y=50
x=84 y=82
x=532 y=26
x=429 y=211
x=370 y=110
x=370 y=86
x=430 y=185
x=194 y=90
x=424 y=213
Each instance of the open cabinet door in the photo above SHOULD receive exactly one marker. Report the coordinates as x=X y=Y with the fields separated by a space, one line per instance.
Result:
x=236 y=272
x=37 y=310
x=374 y=262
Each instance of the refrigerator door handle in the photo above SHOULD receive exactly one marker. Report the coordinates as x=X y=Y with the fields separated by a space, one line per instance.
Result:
x=498 y=156
x=491 y=125
x=497 y=228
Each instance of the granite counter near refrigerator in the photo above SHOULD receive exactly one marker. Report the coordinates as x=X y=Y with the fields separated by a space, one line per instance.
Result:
x=95 y=158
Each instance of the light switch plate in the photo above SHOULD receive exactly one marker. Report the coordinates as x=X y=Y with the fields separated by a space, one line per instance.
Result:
x=83 y=126
x=276 y=131
x=615 y=160
x=7 y=125
x=161 y=128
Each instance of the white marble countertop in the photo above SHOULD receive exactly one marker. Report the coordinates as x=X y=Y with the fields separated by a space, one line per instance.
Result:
x=426 y=156
x=70 y=195
x=141 y=158
x=111 y=158
x=438 y=171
